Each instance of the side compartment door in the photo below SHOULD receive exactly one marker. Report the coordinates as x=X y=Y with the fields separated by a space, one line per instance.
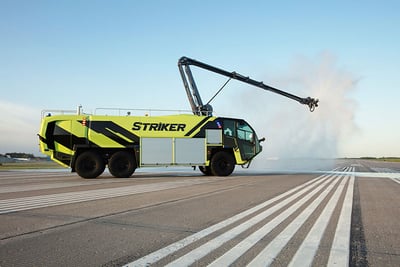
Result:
x=156 y=151
x=172 y=151
x=190 y=151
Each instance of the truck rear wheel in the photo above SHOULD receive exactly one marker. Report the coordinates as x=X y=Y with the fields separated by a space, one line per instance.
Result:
x=122 y=164
x=222 y=164
x=89 y=164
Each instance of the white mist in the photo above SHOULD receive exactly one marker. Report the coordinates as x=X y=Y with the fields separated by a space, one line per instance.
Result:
x=295 y=137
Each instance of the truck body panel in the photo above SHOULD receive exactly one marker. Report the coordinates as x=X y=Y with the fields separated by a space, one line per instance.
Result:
x=184 y=140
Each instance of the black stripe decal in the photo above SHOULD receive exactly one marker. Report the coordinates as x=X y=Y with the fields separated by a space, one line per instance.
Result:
x=109 y=128
x=197 y=126
x=66 y=138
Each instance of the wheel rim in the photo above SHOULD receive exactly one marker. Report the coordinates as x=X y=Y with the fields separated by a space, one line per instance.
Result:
x=89 y=165
x=222 y=164
x=122 y=164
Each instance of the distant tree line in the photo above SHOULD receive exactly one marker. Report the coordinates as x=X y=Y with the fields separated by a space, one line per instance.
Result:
x=391 y=159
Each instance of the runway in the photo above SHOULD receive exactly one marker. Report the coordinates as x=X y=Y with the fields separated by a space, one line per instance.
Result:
x=344 y=216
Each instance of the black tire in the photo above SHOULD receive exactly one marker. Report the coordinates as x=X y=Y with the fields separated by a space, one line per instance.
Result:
x=89 y=165
x=122 y=164
x=206 y=170
x=222 y=164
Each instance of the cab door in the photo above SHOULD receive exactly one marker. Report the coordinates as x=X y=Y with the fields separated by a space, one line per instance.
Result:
x=238 y=134
x=246 y=139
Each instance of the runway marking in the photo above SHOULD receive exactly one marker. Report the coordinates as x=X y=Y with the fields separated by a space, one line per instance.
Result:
x=203 y=250
x=163 y=252
x=397 y=180
x=305 y=254
x=339 y=255
x=390 y=175
x=229 y=257
x=297 y=197
x=34 y=202
x=384 y=170
x=33 y=187
x=269 y=253
x=22 y=175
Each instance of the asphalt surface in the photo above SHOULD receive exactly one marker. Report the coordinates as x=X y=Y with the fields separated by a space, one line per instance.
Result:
x=347 y=215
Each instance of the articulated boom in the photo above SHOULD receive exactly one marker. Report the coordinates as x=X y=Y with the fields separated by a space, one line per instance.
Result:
x=193 y=94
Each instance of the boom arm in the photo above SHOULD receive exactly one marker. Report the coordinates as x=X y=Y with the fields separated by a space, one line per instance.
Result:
x=194 y=97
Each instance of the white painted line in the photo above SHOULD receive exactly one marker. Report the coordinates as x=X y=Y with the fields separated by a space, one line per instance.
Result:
x=174 y=247
x=33 y=187
x=198 y=253
x=396 y=180
x=306 y=252
x=340 y=250
x=232 y=255
x=384 y=170
x=270 y=252
x=27 y=203
x=378 y=174
x=18 y=175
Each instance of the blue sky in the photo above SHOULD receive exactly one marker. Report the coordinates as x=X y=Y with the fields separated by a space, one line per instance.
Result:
x=60 y=54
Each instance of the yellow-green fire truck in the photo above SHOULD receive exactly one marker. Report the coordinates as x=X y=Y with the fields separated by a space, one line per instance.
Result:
x=88 y=143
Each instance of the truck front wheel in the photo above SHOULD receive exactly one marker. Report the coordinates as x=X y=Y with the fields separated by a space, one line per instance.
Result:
x=222 y=164
x=122 y=164
x=89 y=164
x=206 y=170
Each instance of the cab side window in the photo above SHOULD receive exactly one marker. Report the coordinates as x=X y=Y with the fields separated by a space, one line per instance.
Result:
x=229 y=128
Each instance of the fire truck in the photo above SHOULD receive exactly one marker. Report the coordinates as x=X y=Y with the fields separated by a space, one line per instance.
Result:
x=88 y=143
